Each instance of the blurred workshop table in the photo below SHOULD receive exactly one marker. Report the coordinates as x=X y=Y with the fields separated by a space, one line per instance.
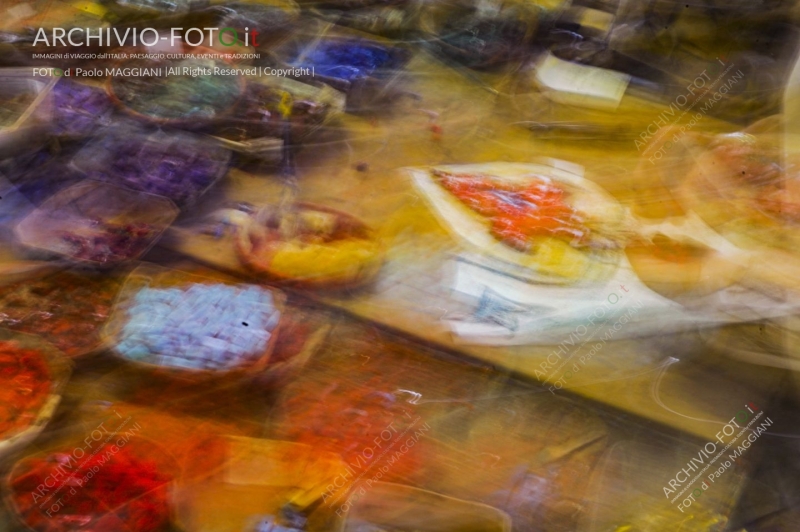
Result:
x=471 y=118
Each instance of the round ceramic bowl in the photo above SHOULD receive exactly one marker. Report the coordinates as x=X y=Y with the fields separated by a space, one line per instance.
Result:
x=152 y=277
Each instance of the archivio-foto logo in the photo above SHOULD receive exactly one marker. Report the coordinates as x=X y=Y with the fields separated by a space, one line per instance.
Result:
x=146 y=36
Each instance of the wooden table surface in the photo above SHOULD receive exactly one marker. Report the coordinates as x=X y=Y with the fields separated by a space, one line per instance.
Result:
x=672 y=379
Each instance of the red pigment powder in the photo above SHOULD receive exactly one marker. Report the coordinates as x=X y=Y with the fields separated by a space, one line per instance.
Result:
x=110 y=491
